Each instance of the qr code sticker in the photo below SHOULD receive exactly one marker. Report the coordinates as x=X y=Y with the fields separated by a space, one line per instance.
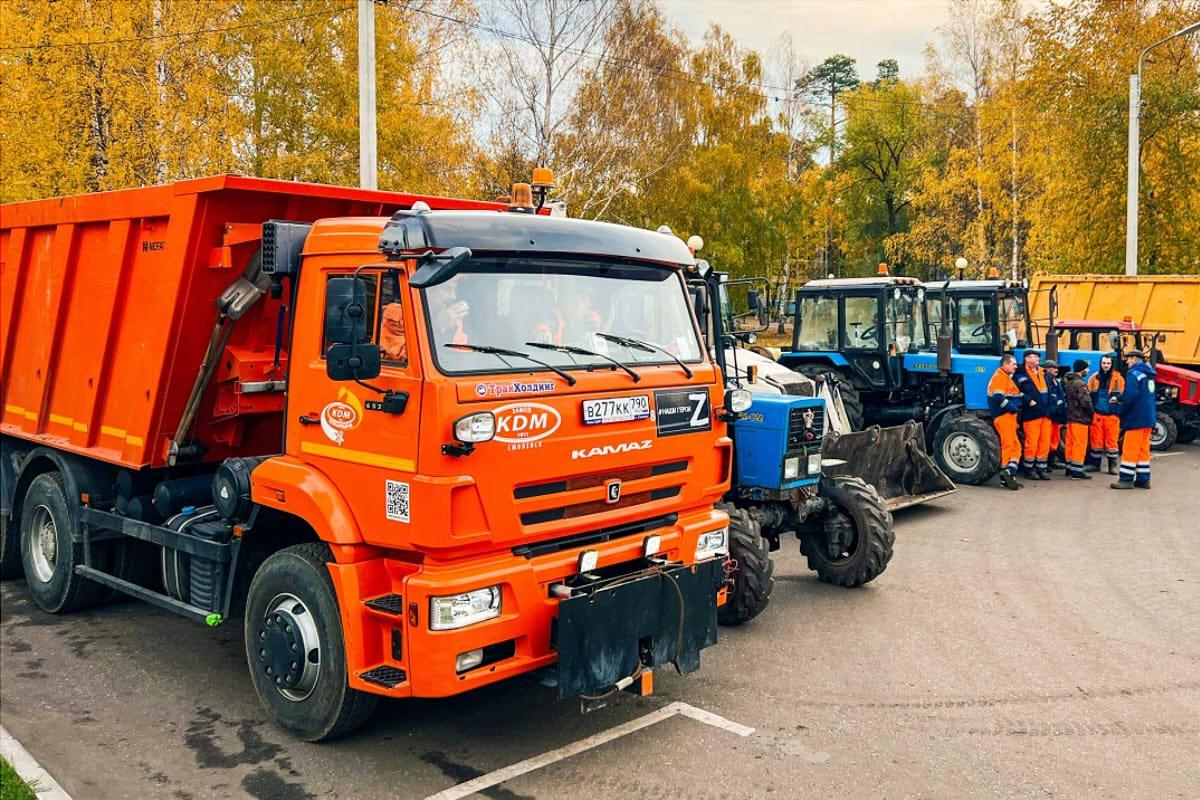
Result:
x=397 y=501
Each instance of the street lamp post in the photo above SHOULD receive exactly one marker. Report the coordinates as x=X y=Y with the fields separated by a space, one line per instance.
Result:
x=1131 y=192
x=367 y=169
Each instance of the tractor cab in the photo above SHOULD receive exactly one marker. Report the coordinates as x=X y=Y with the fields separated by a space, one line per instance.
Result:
x=987 y=317
x=861 y=326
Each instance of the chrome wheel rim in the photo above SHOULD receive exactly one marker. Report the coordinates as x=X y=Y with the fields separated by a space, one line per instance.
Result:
x=1159 y=434
x=43 y=544
x=289 y=647
x=961 y=452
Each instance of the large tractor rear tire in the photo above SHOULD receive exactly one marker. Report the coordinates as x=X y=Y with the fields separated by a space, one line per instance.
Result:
x=1164 y=433
x=1188 y=432
x=753 y=573
x=967 y=448
x=865 y=527
x=293 y=609
x=851 y=400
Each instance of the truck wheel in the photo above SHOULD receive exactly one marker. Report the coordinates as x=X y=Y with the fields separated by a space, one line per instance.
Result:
x=865 y=529
x=10 y=549
x=753 y=569
x=48 y=554
x=851 y=400
x=1164 y=433
x=295 y=649
x=967 y=449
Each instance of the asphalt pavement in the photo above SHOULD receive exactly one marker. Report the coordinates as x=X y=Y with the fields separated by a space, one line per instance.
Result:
x=1037 y=644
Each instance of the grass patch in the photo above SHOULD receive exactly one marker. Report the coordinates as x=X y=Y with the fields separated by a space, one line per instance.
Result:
x=11 y=785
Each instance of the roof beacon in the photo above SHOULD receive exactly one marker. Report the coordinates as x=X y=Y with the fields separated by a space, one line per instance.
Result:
x=883 y=269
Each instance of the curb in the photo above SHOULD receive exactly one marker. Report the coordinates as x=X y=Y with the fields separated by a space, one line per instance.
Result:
x=44 y=786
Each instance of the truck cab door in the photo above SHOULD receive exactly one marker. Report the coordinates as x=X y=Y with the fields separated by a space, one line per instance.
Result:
x=363 y=440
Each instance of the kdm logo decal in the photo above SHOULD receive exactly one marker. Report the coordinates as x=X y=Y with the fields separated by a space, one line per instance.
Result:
x=343 y=414
x=524 y=425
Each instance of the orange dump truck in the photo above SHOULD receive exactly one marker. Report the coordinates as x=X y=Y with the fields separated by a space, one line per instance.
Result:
x=1170 y=302
x=418 y=445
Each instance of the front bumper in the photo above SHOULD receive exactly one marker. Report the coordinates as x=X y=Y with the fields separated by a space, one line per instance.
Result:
x=385 y=613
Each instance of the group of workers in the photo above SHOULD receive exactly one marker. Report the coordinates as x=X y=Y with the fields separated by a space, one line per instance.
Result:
x=1090 y=414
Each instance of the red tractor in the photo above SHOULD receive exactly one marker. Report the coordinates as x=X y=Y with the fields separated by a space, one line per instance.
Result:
x=1176 y=390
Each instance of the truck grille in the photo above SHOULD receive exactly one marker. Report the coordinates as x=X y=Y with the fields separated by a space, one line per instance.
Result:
x=800 y=433
x=636 y=495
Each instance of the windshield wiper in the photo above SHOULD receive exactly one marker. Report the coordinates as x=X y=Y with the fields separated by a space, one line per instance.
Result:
x=645 y=347
x=501 y=353
x=581 y=351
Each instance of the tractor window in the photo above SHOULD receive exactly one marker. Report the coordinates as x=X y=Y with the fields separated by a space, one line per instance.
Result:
x=818 y=323
x=1012 y=321
x=906 y=322
x=861 y=330
x=975 y=321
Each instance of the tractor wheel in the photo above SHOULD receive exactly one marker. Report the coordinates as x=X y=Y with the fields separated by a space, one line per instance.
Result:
x=864 y=528
x=1188 y=432
x=295 y=647
x=1164 y=433
x=967 y=449
x=752 y=569
x=851 y=400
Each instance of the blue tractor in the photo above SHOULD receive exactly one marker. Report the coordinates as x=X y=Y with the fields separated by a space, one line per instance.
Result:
x=780 y=482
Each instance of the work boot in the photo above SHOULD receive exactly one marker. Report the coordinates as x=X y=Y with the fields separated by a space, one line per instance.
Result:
x=1143 y=485
x=1121 y=485
x=1079 y=476
x=1008 y=481
x=1043 y=475
x=1091 y=467
x=1112 y=468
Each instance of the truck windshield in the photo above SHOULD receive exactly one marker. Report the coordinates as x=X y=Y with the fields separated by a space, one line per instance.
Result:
x=510 y=302
x=818 y=323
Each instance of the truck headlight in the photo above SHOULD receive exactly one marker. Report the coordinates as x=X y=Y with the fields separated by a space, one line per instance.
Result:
x=461 y=610
x=475 y=428
x=814 y=464
x=713 y=543
x=738 y=400
x=791 y=468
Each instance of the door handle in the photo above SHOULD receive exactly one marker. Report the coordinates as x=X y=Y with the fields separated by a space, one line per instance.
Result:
x=307 y=420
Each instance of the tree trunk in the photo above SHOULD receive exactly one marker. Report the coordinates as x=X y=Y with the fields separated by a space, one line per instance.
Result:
x=1014 y=192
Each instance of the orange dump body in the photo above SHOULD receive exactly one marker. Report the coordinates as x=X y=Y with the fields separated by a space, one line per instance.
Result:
x=108 y=302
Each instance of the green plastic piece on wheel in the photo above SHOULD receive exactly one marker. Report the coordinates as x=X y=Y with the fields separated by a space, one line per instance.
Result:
x=213 y=620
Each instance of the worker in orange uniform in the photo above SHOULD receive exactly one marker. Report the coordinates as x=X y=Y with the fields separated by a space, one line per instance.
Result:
x=1105 y=387
x=393 y=345
x=1057 y=411
x=1035 y=423
x=1079 y=420
x=1137 y=412
x=1004 y=401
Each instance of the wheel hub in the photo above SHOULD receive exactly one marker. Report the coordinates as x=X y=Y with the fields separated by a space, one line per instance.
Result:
x=44 y=544
x=841 y=537
x=961 y=451
x=289 y=651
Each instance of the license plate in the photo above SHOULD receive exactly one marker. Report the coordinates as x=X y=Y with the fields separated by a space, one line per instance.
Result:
x=616 y=409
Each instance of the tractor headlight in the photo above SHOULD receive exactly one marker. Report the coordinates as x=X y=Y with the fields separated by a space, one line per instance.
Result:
x=738 y=400
x=814 y=464
x=475 y=428
x=791 y=468
x=713 y=543
x=460 y=610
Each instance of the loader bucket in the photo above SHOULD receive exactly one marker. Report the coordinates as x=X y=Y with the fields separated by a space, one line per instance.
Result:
x=893 y=460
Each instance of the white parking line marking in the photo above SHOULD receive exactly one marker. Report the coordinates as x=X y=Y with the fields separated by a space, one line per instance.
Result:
x=595 y=740
x=1165 y=455
x=44 y=786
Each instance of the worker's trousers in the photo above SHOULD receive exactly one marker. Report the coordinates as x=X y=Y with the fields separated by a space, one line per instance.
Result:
x=1037 y=444
x=1010 y=445
x=1077 y=443
x=1105 y=432
x=1135 y=457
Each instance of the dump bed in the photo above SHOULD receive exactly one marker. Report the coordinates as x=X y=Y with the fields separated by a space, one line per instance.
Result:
x=108 y=303
x=1168 y=301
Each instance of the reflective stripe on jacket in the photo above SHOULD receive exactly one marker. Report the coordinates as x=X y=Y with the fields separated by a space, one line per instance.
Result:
x=1003 y=395
x=1136 y=405
x=1033 y=386
x=1103 y=385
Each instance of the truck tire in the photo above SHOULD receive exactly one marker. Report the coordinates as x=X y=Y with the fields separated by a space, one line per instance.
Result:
x=851 y=400
x=752 y=576
x=857 y=505
x=967 y=448
x=48 y=553
x=10 y=549
x=1164 y=433
x=292 y=608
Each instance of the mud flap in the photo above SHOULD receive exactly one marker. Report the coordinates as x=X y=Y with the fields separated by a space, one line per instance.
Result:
x=893 y=460
x=607 y=631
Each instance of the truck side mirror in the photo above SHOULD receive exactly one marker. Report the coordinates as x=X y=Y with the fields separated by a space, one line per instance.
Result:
x=346 y=310
x=752 y=299
x=353 y=362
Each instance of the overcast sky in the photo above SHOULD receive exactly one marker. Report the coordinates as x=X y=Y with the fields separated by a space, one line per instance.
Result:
x=866 y=30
